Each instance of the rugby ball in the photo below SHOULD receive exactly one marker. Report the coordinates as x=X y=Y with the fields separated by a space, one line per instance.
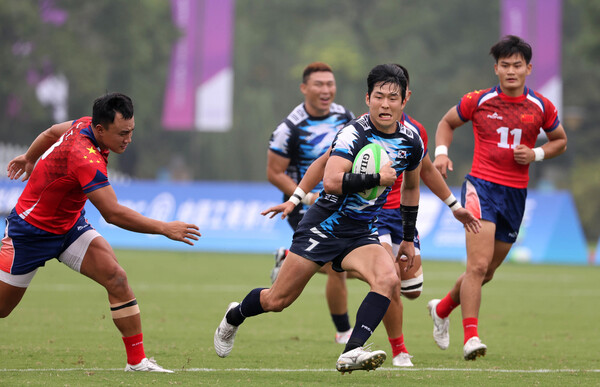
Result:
x=369 y=160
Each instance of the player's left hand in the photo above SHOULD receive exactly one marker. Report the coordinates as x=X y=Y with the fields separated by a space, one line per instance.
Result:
x=406 y=253
x=470 y=222
x=19 y=167
x=284 y=208
x=523 y=154
x=182 y=232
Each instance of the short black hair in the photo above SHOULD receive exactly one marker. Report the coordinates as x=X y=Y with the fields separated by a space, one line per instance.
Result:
x=387 y=73
x=405 y=71
x=509 y=46
x=106 y=107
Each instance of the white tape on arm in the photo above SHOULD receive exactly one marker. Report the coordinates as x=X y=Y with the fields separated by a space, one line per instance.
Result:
x=297 y=196
x=452 y=202
x=441 y=150
x=539 y=153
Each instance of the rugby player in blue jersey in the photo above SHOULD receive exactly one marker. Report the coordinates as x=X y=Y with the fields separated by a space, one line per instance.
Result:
x=339 y=228
x=301 y=138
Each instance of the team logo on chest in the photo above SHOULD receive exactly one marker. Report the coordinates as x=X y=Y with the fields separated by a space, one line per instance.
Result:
x=494 y=116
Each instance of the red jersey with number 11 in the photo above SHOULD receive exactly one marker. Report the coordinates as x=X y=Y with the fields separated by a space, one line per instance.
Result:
x=500 y=123
x=55 y=194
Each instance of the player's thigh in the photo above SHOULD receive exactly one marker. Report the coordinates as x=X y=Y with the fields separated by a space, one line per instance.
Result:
x=372 y=262
x=10 y=296
x=100 y=263
x=501 y=250
x=293 y=276
x=332 y=275
x=480 y=247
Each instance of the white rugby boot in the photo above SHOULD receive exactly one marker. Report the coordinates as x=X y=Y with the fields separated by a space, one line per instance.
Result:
x=146 y=365
x=225 y=334
x=402 y=360
x=361 y=358
x=474 y=348
x=440 y=326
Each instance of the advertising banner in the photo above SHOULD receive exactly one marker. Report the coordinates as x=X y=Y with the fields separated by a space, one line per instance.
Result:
x=228 y=214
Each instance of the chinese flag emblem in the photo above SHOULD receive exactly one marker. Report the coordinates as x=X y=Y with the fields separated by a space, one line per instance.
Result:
x=527 y=118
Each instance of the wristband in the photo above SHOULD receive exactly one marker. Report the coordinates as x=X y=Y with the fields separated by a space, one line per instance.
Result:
x=452 y=203
x=539 y=153
x=308 y=199
x=297 y=196
x=441 y=150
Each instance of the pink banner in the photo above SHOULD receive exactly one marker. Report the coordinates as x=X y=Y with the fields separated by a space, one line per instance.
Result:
x=539 y=22
x=199 y=90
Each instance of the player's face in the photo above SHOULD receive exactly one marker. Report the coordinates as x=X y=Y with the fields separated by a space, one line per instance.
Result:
x=319 y=92
x=385 y=106
x=511 y=72
x=118 y=135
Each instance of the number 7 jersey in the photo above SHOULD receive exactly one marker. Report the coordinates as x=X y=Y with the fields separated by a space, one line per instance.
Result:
x=500 y=123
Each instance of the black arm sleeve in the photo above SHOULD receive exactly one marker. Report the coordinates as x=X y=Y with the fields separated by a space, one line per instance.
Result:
x=357 y=182
x=409 y=221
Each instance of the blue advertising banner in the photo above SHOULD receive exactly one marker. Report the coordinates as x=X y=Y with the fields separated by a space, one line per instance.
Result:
x=228 y=214
x=550 y=232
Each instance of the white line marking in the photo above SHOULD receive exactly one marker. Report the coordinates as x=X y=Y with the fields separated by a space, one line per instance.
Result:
x=284 y=370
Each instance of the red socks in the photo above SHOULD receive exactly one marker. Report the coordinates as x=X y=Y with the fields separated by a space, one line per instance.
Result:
x=470 y=327
x=445 y=306
x=398 y=345
x=134 y=346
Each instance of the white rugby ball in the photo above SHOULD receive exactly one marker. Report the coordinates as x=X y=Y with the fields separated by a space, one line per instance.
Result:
x=370 y=159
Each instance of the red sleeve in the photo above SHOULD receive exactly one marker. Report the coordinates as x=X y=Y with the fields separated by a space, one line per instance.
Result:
x=467 y=104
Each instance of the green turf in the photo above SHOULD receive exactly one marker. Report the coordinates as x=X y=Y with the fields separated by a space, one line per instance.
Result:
x=533 y=318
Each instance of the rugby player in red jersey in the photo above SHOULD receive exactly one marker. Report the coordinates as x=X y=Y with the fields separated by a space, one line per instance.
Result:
x=506 y=123
x=49 y=222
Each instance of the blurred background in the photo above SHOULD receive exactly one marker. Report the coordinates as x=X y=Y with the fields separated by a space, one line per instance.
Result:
x=211 y=79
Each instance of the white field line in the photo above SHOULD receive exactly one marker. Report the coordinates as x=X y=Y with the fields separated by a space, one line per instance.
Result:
x=283 y=370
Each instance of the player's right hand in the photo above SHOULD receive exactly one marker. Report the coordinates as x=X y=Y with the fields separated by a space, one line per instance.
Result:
x=19 y=167
x=183 y=232
x=387 y=175
x=406 y=253
x=443 y=164
x=284 y=208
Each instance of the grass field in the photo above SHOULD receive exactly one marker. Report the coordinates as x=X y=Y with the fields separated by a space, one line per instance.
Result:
x=541 y=325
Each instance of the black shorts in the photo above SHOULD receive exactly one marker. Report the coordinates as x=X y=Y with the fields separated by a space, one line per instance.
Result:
x=324 y=236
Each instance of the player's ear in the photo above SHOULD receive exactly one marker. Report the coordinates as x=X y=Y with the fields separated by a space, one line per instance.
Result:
x=303 y=87
x=367 y=99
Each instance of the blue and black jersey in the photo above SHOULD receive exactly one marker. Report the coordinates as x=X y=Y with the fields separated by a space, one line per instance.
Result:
x=404 y=147
x=303 y=138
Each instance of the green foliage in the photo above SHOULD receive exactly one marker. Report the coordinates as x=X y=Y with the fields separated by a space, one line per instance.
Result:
x=533 y=318
x=117 y=45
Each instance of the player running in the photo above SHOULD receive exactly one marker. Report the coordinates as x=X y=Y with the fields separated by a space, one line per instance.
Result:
x=339 y=227
x=302 y=137
x=48 y=220
x=506 y=122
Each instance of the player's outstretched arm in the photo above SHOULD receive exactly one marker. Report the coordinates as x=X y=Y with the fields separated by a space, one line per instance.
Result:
x=21 y=166
x=105 y=200
x=443 y=138
x=434 y=181
x=312 y=177
x=284 y=209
